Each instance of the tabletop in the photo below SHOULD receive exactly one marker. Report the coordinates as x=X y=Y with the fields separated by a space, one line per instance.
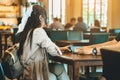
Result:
x=83 y=42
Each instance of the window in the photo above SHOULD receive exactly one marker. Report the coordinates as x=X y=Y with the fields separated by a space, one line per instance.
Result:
x=95 y=9
x=57 y=9
x=32 y=0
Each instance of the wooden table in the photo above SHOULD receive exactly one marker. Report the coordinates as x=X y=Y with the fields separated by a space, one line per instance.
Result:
x=73 y=42
x=74 y=62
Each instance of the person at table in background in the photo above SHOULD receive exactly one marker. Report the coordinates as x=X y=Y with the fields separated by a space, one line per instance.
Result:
x=96 y=23
x=97 y=26
x=80 y=25
x=32 y=36
x=70 y=25
x=56 y=25
x=72 y=22
x=115 y=43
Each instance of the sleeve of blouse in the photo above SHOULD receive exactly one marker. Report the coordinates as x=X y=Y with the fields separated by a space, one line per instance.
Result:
x=44 y=41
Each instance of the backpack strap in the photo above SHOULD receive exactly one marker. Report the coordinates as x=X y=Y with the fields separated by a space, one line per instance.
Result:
x=11 y=49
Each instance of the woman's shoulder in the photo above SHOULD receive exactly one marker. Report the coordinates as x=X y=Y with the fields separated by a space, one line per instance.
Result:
x=39 y=30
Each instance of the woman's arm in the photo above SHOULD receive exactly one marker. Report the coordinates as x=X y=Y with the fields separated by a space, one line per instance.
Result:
x=88 y=49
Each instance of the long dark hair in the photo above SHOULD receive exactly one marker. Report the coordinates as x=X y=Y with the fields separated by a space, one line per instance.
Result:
x=32 y=23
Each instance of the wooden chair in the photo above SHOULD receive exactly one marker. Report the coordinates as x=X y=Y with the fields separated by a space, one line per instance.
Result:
x=111 y=63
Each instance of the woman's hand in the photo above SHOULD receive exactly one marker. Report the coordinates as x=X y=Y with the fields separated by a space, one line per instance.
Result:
x=65 y=48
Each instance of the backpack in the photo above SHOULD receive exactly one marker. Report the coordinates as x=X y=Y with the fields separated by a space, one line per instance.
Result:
x=2 y=76
x=11 y=63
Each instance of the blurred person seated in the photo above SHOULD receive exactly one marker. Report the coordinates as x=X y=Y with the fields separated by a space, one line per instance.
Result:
x=97 y=26
x=81 y=25
x=68 y=26
x=72 y=22
x=96 y=23
x=56 y=25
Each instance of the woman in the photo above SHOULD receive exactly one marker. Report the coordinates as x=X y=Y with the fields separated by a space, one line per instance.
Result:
x=33 y=39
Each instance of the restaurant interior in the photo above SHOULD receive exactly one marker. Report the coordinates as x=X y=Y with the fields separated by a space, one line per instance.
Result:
x=63 y=33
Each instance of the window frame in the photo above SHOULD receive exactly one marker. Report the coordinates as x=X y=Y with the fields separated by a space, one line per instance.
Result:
x=102 y=15
x=62 y=12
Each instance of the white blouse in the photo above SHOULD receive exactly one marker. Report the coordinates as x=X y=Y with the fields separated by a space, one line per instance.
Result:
x=40 y=38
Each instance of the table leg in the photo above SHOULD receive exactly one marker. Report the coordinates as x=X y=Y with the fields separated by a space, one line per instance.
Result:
x=87 y=71
x=70 y=72
x=76 y=74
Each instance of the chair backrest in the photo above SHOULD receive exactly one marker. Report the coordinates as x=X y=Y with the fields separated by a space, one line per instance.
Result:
x=58 y=35
x=111 y=64
x=96 y=38
x=75 y=35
